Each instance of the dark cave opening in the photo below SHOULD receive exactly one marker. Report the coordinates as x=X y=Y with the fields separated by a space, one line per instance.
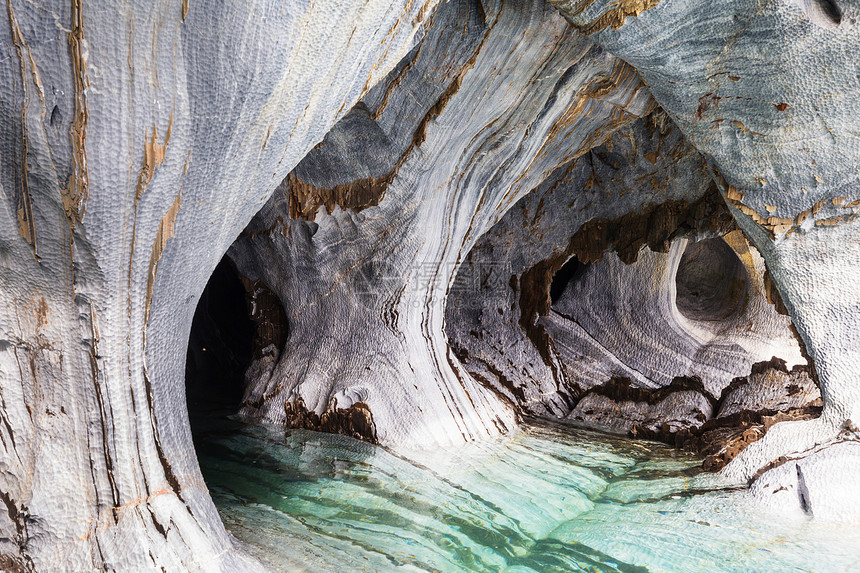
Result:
x=711 y=282
x=221 y=345
x=569 y=272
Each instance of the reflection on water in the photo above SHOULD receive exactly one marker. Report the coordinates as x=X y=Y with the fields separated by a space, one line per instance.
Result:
x=551 y=498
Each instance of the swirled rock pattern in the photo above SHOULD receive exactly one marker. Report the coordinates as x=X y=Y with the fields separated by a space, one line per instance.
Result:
x=638 y=322
x=366 y=263
x=614 y=317
x=138 y=140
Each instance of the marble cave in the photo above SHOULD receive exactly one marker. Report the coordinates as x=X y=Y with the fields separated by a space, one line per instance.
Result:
x=515 y=286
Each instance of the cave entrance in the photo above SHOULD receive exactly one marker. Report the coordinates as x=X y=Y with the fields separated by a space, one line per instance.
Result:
x=220 y=347
x=711 y=282
x=235 y=321
x=569 y=272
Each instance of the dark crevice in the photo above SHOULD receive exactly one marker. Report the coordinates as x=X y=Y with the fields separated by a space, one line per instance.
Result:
x=569 y=272
x=221 y=344
x=824 y=13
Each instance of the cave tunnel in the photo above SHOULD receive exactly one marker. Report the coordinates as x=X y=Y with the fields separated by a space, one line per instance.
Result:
x=220 y=346
x=235 y=319
x=379 y=143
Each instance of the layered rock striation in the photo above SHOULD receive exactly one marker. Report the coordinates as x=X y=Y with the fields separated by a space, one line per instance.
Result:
x=768 y=94
x=362 y=241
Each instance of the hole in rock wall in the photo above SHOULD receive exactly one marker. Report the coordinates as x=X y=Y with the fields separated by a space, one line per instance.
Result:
x=824 y=13
x=236 y=319
x=571 y=271
x=711 y=281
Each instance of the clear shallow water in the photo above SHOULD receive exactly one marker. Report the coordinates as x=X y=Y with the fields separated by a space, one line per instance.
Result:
x=550 y=499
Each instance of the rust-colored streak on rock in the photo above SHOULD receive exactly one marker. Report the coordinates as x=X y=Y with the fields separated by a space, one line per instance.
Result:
x=780 y=225
x=602 y=86
x=655 y=227
x=166 y=228
x=42 y=313
x=613 y=17
x=440 y=105
x=153 y=156
x=735 y=198
x=355 y=421
x=772 y=294
x=706 y=102
x=75 y=196
x=722 y=439
x=14 y=563
x=598 y=88
x=306 y=199
x=26 y=222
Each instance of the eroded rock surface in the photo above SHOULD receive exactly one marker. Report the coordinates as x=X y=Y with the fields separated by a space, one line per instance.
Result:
x=363 y=249
x=657 y=318
x=749 y=407
x=685 y=414
x=770 y=387
x=682 y=405
x=633 y=312
x=779 y=130
x=136 y=142
x=644 y=186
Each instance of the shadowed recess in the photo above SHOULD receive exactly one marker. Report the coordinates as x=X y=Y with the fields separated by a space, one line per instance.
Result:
x=569 y=272
x=221 y=344
x=711 y=281
x=824 y=13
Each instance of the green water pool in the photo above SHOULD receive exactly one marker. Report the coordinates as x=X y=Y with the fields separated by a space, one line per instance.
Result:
x=551 y=498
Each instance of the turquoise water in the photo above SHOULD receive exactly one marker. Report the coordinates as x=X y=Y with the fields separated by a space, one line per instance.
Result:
x=549 y=499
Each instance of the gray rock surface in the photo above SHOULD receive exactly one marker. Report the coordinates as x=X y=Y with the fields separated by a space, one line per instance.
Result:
x=135 y=143
x=637 y=321
x=773 y=389
x=497 y=308
x=780 y=132
x=820 y=483
x=616 y=318
x=674 y=412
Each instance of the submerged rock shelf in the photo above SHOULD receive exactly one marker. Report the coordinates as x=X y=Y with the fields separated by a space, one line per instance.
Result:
x=550 y=498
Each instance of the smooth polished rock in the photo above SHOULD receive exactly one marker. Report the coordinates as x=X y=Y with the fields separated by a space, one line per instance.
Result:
x=821 y=483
